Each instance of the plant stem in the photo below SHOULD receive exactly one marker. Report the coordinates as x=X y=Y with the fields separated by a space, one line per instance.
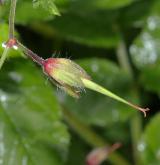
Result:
x=4 y=56
x=123 y=57
x=90 y=136
x=11 y=31
x=12 y=18
x=30 y=54
x=136 y=129
x=136 y=123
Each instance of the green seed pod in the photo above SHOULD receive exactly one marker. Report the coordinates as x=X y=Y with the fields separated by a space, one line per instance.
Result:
x=72 y=78
x=67 y=74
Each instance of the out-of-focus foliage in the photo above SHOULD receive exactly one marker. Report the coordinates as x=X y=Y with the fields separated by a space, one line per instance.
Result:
x=48 y=5
x=146 y=51
x=146 y=48
x=32 y=127
x=4 y=34
x=91 y=5
x=149 y=145
x=22 y=17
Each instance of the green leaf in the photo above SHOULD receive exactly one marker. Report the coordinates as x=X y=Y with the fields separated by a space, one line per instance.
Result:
x=145 y=49
x=94 y=26
x=94 y=108
x=4 y=34
x=134 y=15
x=78 y=151
x=48 y=5
x=89 y=29
x=91 y=5
x=150 y=78
x=110 y=4
x=150 y=144
x=34 y=14
x=119 y=132
x=30 y=118
x=23 y=17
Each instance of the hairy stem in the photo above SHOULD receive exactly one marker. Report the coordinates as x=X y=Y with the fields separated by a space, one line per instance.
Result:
x=123 y=57
x=90 y=136
x=12 y=18
x=4 y=56
x=30 y=54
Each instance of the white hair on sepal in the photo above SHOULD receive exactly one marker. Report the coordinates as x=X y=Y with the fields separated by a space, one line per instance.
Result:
x=15 y=47
x=4 y=45
x=56 y=54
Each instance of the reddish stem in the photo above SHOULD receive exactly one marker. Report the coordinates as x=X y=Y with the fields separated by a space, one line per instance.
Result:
x=30 y=54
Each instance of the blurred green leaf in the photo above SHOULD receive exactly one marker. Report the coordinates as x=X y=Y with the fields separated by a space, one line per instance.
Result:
x=23 y=17
x=145 y=51
x=93 y=29
x=119 y=132
x=48 y=5
x=4 y=35
x=77 y=151
x=110 y=4
x=150 y=77
x=33 y=15
x=30 y=118
x=146 y=48
x=134 y=15
x=96 y=27
x=91 y=5
x=150 y=143
x=94 y=108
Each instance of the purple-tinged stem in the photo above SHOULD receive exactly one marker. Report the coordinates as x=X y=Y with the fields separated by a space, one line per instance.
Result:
x=30 y=54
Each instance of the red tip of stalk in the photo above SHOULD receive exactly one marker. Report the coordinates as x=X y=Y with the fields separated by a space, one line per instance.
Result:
x=144 y=110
